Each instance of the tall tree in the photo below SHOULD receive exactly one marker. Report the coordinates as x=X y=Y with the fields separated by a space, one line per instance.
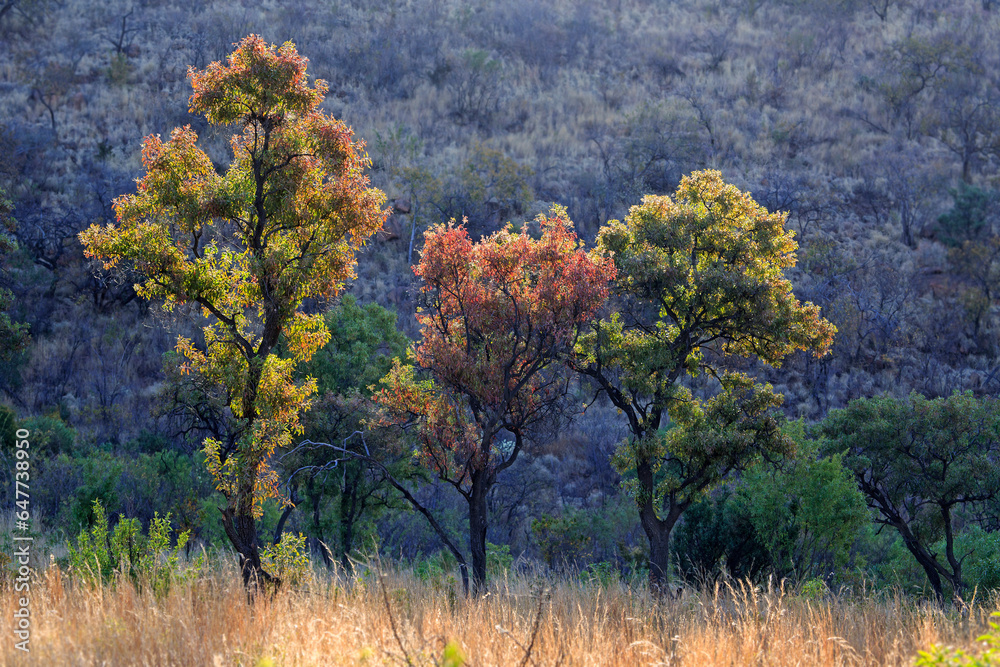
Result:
x=246 y=248
x=920 y=462
x=497 y=315
x=699 y=279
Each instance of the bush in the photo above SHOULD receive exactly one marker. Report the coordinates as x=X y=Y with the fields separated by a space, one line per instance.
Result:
x=102 y=554
x=601 y=574
x=50 y=435
x=288 y=559
x=562 y=539
x=970 y=218
x=982 y=567
x=439 y=569
x=498 y=559
x=952 y=657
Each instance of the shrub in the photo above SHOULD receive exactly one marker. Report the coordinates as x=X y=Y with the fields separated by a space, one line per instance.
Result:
x=970 y=218
x=601 y=573
x=288 y=559
x=101 y=554
x=50 y=435
x=562 y=539
x=498 y=559
x=952 y=657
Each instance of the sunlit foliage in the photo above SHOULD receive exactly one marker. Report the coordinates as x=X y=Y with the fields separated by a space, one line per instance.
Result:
x=699 y=279
x=247 y=247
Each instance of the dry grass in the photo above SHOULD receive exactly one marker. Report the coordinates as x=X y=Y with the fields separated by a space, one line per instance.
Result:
x=363 y=621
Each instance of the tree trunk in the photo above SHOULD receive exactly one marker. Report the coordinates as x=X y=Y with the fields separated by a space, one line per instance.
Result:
x=477 y=530
x=241 y=529
x=319 y=541
x=659 y=554
x=957 y=585
x=438 y=528
x=348 y=509
x=657 y=530
x=930 y=568
x=280 y=528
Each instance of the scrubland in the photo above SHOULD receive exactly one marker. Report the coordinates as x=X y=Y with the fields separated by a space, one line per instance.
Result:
x=858 y=119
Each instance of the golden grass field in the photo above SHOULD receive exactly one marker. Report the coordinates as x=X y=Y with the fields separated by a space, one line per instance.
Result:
x=395 y=618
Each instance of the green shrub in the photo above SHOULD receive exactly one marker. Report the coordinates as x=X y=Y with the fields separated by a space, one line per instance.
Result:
x=946 y=656
x=438 y=568
x=288 y=559
x=814 y=589
x=601 y=573
x=970 y=217
x=119 y=70
x=101 y=554
x=498 y=559
x=562 y=539
x=982 y=566
x=50 y=435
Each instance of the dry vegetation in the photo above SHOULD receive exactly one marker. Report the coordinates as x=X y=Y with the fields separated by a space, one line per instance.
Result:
x=396 y=618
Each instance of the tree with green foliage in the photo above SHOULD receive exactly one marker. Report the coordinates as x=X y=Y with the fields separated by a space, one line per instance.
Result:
x=920 y=463
x=807 y=512
x=364 y=341
x=699 y=279
x=246 y=248
x=971 y=217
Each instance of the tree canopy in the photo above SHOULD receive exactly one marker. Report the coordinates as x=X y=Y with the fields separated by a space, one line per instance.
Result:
x=920 y=462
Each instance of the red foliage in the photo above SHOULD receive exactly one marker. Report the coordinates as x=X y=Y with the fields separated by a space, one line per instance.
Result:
x=497 y=313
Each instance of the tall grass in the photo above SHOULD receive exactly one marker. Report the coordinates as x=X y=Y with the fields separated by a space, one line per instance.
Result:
x=389 y=616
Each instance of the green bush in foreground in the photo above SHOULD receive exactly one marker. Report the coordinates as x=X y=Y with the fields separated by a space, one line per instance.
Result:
x=951 y=657
x=101 y=553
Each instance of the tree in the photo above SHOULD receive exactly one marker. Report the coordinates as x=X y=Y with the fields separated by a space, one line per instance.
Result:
x=363 y=342
x=497 y=316
x=920 y=462
x=699 y=279
x=808 y=512
x=246 y=248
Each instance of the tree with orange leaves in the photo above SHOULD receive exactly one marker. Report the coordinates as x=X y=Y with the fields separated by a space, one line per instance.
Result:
x=497 y=316
x=245 y=248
